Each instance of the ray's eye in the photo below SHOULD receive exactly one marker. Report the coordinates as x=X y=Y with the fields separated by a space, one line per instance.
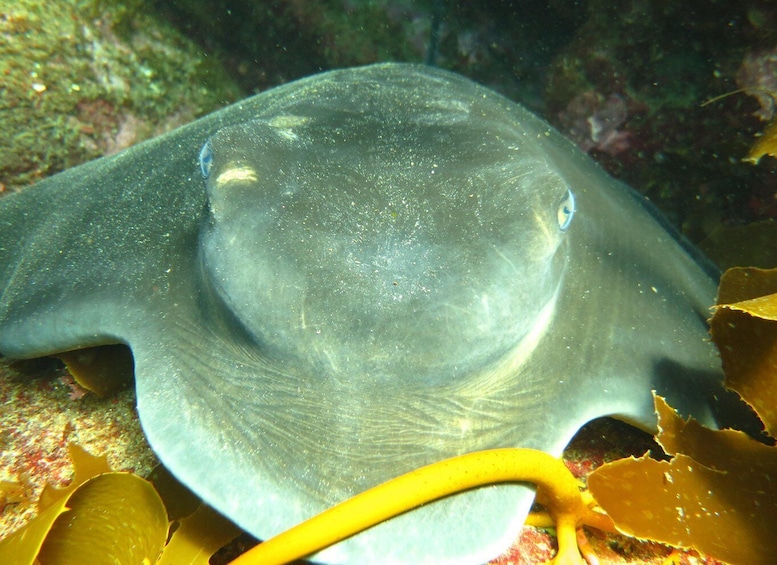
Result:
x=566 y=209
x=206 y=159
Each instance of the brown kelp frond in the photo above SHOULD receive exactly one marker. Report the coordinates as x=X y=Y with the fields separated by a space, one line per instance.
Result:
x=716 y=494
x=114 y=517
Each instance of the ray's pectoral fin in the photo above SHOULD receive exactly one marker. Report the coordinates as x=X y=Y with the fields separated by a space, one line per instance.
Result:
x=258 y=432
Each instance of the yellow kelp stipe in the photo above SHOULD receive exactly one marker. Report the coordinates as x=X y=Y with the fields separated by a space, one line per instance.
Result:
x=557 y=489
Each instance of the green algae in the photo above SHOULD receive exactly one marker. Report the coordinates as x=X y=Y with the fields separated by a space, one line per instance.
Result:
x=86 y=78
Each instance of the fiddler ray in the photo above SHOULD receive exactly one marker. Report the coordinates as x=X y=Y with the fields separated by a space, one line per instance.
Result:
x=351 y=276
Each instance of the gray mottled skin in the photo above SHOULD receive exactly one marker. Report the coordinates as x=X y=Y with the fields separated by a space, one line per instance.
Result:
x=372 y=277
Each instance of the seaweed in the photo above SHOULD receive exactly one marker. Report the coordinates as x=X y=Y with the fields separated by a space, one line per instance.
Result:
x=110 y=517
x=716 y=494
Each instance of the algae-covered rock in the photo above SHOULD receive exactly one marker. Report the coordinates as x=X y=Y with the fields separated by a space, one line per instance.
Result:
x=86 y=78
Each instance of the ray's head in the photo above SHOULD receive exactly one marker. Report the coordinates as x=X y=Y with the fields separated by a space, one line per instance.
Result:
x=426 y=242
